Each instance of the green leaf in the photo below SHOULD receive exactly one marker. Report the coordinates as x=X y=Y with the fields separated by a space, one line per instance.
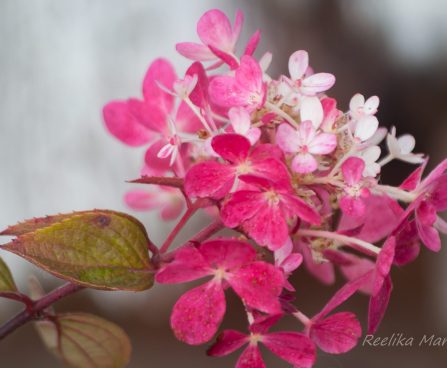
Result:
x=85 y=341
x=98 y=249
x=6 y=281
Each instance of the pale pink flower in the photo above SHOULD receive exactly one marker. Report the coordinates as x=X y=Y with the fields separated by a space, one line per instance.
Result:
x=307 y=85
x=401 y=148
x=352 y=202
x=304 y=143
x=359 y=108
x=198 y=313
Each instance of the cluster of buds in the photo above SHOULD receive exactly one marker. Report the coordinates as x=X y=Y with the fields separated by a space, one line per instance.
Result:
x=294 y=177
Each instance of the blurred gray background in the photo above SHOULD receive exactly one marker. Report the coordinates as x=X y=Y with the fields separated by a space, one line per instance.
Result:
x=61 y=60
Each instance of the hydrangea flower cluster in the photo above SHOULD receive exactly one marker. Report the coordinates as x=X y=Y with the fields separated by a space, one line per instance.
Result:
x=296 y=179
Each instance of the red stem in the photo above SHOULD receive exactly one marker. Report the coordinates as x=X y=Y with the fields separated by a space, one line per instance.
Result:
x=38 y=306
x=159 y=180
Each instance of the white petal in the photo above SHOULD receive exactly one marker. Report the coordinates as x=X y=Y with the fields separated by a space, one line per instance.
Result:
x=240 y=120
x=371 y=154
x=311 y=109
x=393 y=144
x=366 y=127
x=298 y=63
x=406 y=143
x=265 y=61
x=357 y=101
x=371 y=105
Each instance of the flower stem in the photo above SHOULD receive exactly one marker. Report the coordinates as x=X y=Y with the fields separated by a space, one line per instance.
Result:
x=38 y=306
x=355 y=243
x=279 y=112
x=397 y=193
x=159 y=180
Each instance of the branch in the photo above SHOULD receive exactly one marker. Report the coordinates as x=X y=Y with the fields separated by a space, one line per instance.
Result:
x=38 y=306
x=159 y=180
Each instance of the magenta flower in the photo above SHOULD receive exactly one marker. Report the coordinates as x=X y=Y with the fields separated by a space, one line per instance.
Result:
x=198 y=313
x=431 y=199
x=264 y=210
x=136 y=122
x=215 y=179
x=245 y=89
x=292 y=347
x=352 y=201
x=304 y=143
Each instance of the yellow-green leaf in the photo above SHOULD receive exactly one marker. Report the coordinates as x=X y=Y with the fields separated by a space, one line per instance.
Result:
x=85 y=341
x=98 y=249
x=6 y=281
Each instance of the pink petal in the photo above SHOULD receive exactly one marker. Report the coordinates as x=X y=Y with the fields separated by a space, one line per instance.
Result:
x=297 y=207
x=228 y=59
x=378 y=305
x=267 y=226
x=317 y=83
x=293 y=347
x=322 y=271
x=343 y=294
x=263 y=323
x=382 y=215
x=188 y=265
x=186 y=121
x=352 y=170
x=195 y=51
x=225 y=92
x=298 y=63
x=407 y=244
x=227 y=253
x=199 y=95
x=252 y=43
x=292 y=262
x=227 y=342
x=413 y=180
x=209 y=179
x=352 y=206
x=155 y=163
x=237 y=26
x=429 y=235
x=160 y=72
x=287 y=138
x=124 y=126
x=259 y=285
x=358 y=268
x=439 y=170
x=214 y=29
x=241 y=206
x=336 y=334
x=149 y=115
x=249 y=74
x=250 y=358
x=142 y=200
x=231 y=147
x=438 y=193
x=198 y=313
x=384 y=262
x=307 y=132
x=172 y=209
x=304 y=163
x=323 y=144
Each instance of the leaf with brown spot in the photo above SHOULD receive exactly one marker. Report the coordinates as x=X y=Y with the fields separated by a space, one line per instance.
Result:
x=98 y=249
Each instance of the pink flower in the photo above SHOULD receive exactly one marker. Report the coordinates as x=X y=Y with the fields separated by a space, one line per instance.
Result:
x=307 y=85
x=293 y=347
x=304 y=143
x=215 y=31
x=215 y=179
x=264 y=210
x=245 y=89
x=166 y=199
x=198 y=313
x=431 y=199
x=352 y=202
x=137 y=123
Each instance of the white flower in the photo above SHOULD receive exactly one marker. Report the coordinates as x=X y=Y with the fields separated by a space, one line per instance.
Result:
x=370 y=155
x=401 y=148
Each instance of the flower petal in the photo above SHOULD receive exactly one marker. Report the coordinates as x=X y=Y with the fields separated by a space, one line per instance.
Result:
x=259 y=285
x=124 y=126
x=317 y=83
x=250 y=358
x=378 y=305
x=323 y=144
x=298 y=64
x=336 y=334
x=227 y=253
x=227 y=342
x=312 y=110
x=304 y=163
x=287 y=138
x=352 y=170
x=188 y=265
x=366 y=127
x=293 y=347
x=209 y=179
x=231 y=147
x=214 y=29
x=195 y=51
x=198 y=313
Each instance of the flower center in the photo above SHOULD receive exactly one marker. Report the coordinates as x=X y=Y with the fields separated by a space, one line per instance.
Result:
x=272 y=197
